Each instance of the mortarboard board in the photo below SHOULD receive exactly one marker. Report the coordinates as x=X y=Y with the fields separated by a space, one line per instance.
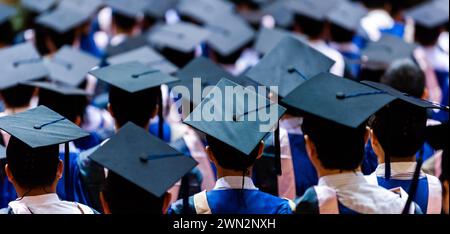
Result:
x=59 y=88
x=336 y=99
x=313 y=9
x=288 y=65
x=70 y=65
x=228 y=34
x=130 y=43
x=429 y=14
x=143 y=159
x=20 y=63
x=183 y=37
x=204 y=11
x=87 y=6
x=268 y=39
x=281 y=12
x=146 y=56
x=157 y=8
x=128 y=8
x=6 y=12
x=382 y=53
x=347 y=15
x=132 y=77
x=38 y=6
x=233 y=127
x=63 y=19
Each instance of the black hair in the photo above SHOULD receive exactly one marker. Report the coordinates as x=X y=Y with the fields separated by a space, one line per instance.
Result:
x=178 y=58
x=427 y=36
x=248 y=4
x=405 y=76
x=123 y=22
x=58 y=39
x=229 y=157
x=7 y=33
x=400 y=128
x=310 y=27
x=70 y=107
x=340 y=34
x=445 y=166
x=124 y=197
x=32 y=168
x=376 y=4
x=17 y=96
x=136 y=107
x=231 y=58
x=338 y=147
x=370 y=74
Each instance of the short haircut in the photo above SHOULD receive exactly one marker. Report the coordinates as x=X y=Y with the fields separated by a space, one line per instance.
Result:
x=123 y=22
x=338 y=147
x=405 y=76
x=229 y=157
x=17 y=96
x=124 y=197
x=310 y=27
x=59 y=39
x=340 y=34
x=137 y=107
x=400 y=128
x=426 y=36
x=70 y=107
x=370 y=74
x=32 y=168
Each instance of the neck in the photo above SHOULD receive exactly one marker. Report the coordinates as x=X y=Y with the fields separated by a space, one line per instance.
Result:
x=15 y=110
x=403 y=159
x=35 y=192
x=222 y=172
x=326 y=172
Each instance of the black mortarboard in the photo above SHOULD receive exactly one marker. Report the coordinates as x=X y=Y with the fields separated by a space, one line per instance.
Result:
x=87 y=6
x=6 y=12
x=380 y=54
x=20 y=63
x=2 y=152
x=132 y=77
x=429 y=14
x=203 y=11
x=38 y=6
x=63 y=19
x=336 y=99
x=281 y=12
x=146 y=56
x=143 y=159
x=268 y=39
x=128 y=8
x=130 y=43
x=157 y=8
x=70 y=65
x=232 y=124
x=228 y=34
x=183 y=37
x=288 y=65
x=347 y=15
x=313 y=9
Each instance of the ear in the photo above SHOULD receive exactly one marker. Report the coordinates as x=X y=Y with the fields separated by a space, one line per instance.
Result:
x=9 y=174
x=210 y=155
x=260 y=150
x=426 y=94
x=310 y=149
x=367 y=135
x=376 y=146
x=166 y=202
x=105 y=206
x=59 y=171
x=110 y=110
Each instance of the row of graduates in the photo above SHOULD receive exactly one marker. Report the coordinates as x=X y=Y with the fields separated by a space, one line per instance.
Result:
x=190 y=142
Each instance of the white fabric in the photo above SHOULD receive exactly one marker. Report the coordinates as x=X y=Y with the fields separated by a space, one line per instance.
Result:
x=328 y=203
x=292 y=125
x=201 y=203
x=375 y=21
x=47 y=204
x=355 y=193
x=434 y=195
x=234 y=182
x=444 y=42
x=399 y=170
x=437 y=58
x=338 y=68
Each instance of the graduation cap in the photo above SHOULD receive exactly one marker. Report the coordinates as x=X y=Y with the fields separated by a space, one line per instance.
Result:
x=63 y=19
x=281 y=12
x=232 y=124
x=87 y=6
x=143 y=160
x=230 y=35
x=146 y=56
x=382 y=53
x=129 y=8
x=436 y=136
x=130 y=43
x=38 y=6
x=267 y=38
x=20 y=63
x=70 y=65
x=183 y=37
x=430 y=15
x=204 y=11
x=338 y=100
x=347 y=15
x=157 y=9
x=41 y=127
x=313 y=9
x=288 y=65
x=59 y=88
x=6 y=12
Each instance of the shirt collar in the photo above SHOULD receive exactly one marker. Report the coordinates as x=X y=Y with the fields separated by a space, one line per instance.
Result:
x=342 y=179
x=234 y=182
x=292 y=125
x=399 y=170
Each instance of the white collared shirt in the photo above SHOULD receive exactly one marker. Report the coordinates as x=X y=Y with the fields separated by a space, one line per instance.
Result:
x=355 y=193
x=47 y=204
x=234 y=182
x=399 y=170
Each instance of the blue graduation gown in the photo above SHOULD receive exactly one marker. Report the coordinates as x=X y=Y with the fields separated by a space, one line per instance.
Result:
x=237 y=201
x=7 y=191
x=154 y=129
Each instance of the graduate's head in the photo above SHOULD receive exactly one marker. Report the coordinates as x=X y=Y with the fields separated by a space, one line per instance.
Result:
x=29 y=169
x=312 y=28
x=426 y=36
x=341 y=35
x=399 y=130
x=333 y=146
x=17 y=96
x=229 y=158
x=407 y=77
x=120 y=196
x=123 y=24
x=49 y=41
x=371 y=74
x=7 y=35
x=139 y=107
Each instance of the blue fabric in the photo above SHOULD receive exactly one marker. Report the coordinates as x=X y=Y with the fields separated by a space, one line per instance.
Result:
x=88 y=45
x=352 y=62
x=360 y=42
x=370 y=161
x=88 y=142
x=154 y=129
x=345 y=210
x=7 y=191
x=238 y=201
x=305 y=173
x=443 y=79
x=422 y=190
x=427 y=152
x=397 y=30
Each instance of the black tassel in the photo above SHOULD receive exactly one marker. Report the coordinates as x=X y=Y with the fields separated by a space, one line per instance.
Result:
x=414 y=184
x=277 y=151
x=185 y=193
x=69 y=196
x=160 y=118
